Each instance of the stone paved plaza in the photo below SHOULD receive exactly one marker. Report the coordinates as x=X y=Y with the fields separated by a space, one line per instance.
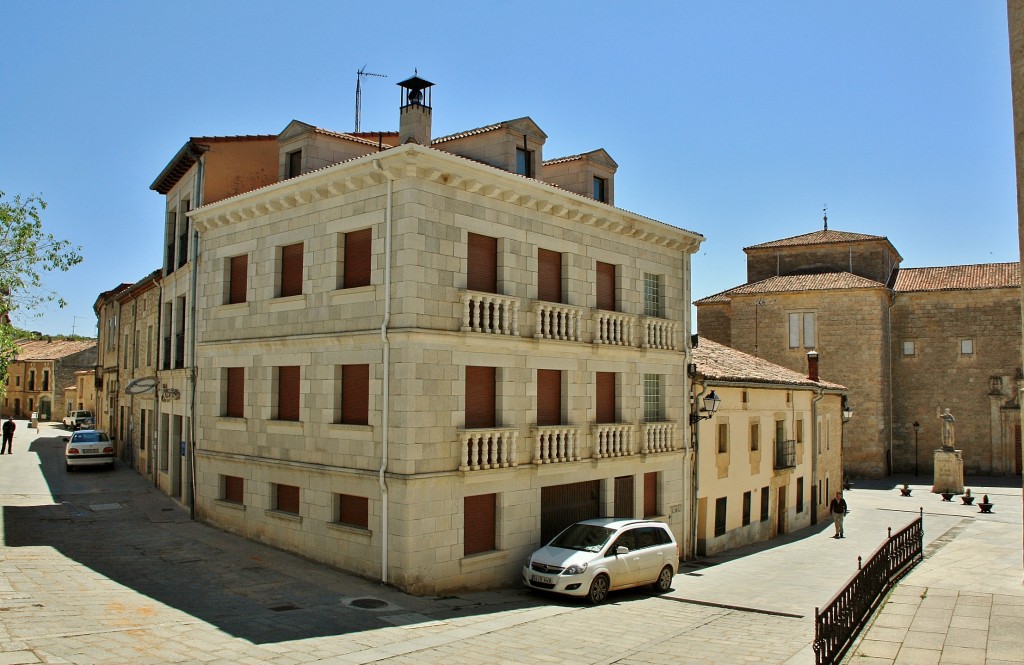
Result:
x=81 y=553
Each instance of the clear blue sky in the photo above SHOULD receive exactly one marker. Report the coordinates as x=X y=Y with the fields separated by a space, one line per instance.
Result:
x=738 y=120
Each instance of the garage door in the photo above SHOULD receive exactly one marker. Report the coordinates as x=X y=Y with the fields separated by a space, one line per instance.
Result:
x=562 y=505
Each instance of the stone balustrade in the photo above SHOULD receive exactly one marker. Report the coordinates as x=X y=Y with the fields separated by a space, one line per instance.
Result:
x=657 y=437
x=488 y=448
x=489 y=313
x=659 y=334
x=555 y=321
x=614 y=328
x=613 y=439
x=556 y=443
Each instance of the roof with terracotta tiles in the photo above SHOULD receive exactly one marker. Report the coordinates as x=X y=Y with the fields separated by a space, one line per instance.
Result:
x=954 y=278
x=470 y=132
x=189 y=154
x=41 y=349
x=823 y=237
x=722 y=363
x=827 y=281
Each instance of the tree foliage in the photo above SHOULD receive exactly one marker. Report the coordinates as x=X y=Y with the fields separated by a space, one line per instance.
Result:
x=26 y=254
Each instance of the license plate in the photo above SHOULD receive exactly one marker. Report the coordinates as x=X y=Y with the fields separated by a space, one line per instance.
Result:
x=90 y=450
x=541 y=579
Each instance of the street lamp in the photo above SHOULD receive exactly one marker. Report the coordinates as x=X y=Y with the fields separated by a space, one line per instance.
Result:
x=917 y=430
x=711 y=402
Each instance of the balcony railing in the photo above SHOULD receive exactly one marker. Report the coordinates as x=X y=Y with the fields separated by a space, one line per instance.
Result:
x=556 y=443
x=556 y=321
x=613 y=439
x=614 y=328
x=489 y=313
x=659 y=334
x=493 y=448
x=657 y=437
x=785 y=454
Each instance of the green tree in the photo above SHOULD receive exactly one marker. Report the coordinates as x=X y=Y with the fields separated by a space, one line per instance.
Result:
x=26 y=254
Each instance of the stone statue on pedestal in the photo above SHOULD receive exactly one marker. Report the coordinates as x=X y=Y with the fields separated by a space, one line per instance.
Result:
x=948 y=435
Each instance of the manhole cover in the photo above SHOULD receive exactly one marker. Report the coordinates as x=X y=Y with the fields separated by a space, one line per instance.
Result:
x=368 y=603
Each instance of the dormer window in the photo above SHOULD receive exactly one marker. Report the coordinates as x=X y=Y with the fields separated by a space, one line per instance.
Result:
x=294 y=164
x=524 y=162
x=601 y=189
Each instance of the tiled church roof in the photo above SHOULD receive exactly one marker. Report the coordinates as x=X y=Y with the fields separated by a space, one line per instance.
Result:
x=796 y=283
x=823 y=237
x=951 y=278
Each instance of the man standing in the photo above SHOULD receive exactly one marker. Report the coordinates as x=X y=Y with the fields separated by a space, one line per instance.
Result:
x=8 y=445
x=838 y=509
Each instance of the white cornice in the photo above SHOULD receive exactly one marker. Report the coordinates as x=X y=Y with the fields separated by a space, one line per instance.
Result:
x=434 y=165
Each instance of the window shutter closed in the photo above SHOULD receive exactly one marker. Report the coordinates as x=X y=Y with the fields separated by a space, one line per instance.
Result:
x=480 y=397
x=355 y=394
x=357 y=258
x=288 y=499
x=549 y=397
x=606 y=287
x=354 y=510
x=291 y=270
x=239 y=279
x=482 y=264
x=650 y=494
x=234 y=489
x=236 y=393
x=288 y=393
x=549 y=276
x=479 y=524
x=606 y=397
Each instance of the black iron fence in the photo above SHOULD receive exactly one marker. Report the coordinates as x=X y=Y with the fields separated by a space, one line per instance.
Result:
x=837 y=625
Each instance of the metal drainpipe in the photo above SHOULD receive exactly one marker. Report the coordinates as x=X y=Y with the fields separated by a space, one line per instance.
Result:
x=695 y=480
x=155 y=449
x=191 y=458
x=814 y=455
x=387 y=371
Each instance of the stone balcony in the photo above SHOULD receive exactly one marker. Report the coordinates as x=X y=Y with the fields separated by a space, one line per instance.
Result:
x=557 y=321
x=658 y=334
x=614 y=328
x=490 y=313
x=657 y=437
x=613 y=439
x=491 y=448
x=556 y=443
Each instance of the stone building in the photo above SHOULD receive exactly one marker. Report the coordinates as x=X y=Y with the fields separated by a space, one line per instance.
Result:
x=81 y=395
x=415 y=362
x=906 y=342
x=769 y=457
x=40 y=371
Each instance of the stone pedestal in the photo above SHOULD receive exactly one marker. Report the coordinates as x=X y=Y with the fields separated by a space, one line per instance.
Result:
x=949 y=471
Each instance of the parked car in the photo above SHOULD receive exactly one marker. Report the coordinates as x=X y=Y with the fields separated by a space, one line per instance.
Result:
x=88 y=447
x=74 y=419
x=592 y=557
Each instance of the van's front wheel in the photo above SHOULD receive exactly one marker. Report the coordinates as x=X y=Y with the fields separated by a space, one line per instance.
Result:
x=598 y=590
x=664 y=581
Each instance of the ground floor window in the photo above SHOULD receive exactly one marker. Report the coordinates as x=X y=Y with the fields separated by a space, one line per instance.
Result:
x=353 y=511
x=479 y=523
x=720 y=508
x=233 y=489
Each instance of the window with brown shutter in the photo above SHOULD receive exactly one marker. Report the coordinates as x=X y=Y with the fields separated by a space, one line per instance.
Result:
x=354 y=511
x=549 y=276
x=606 y=287
x=355 y=394
x=234 y=489
x=235 y=402
x=357 y=258
x=287 y=499
x=480 y=397
x=291 y=270
x=479 y=523
x=238 y=279
x=605 y=397
x=288 y=393
x=482 y=264
x=549 y=397
x=650 y=494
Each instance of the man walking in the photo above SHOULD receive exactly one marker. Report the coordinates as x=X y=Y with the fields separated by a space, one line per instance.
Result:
x=838 y=509
x=8 y=445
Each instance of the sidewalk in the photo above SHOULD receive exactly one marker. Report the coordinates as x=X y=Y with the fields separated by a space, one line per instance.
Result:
x=965 y=602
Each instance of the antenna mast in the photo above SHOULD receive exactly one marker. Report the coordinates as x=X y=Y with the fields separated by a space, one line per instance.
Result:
x=359 y=92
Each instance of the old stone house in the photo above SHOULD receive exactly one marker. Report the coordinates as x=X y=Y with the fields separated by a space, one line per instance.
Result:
x=906 y=342
x=769 y=456
x=81 y=395
x=40 y=371
x=416 y=358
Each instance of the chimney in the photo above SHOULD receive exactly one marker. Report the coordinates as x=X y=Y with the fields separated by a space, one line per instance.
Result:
x=812 y=365
x=414 y=114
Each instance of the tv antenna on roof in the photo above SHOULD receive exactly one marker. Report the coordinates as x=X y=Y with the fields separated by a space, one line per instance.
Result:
x=359 y=92
x=824 y=215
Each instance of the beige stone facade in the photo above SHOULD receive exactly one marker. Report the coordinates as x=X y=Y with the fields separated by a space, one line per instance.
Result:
x=770 y=457
x=40 y=371
x=82 y=395
x=415 y=472
x=905 y=343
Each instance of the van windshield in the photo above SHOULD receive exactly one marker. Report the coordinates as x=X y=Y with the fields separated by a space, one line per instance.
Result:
x=583 y=537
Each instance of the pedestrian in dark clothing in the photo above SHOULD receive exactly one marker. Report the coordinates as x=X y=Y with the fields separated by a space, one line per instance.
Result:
x=838 y=509
x=8 y=445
